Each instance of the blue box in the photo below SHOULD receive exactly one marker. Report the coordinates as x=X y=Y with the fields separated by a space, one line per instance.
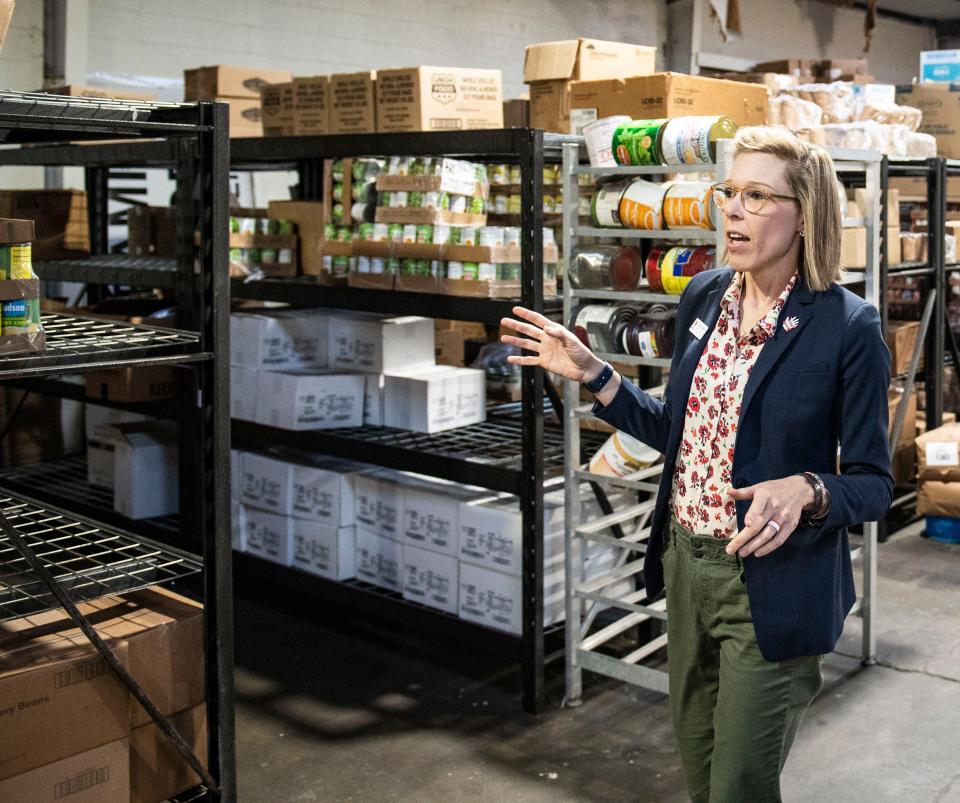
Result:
x=943 y=528
x=939 y=66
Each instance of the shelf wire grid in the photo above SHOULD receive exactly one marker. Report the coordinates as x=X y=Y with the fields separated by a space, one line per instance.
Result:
x=86 y=342
x=87 y=561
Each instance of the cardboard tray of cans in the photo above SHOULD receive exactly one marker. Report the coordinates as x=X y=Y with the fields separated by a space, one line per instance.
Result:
x=249 y=240
x=11 y=289
x=499 y=254
x=428 y=184
x=473 y=288
x=386 y=214
x=371 y=281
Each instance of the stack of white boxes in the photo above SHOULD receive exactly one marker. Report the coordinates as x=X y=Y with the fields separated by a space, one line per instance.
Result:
x=297 y=515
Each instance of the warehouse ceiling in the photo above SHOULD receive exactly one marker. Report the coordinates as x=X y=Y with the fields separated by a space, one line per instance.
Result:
x=941 y=10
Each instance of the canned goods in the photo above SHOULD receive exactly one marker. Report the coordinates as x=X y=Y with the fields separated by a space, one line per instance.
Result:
x=500 y=204
x=378 y=265
x=650 y=334
x=454 y=270
x=514 y=204
x=235 y=224
x=423 y=267
x=688 y=204
x=621 y=455
x=549 y=204
x=401 y=167
x=424 y=233
x=468 y=235
x=511 y=236
x=20 y=316
x=392 y=266
x=341 y=266
x=652 y=268
x=358 y=213
x=641 y=205
x=600 y=327
x=410 y=233
x=359 y=192
x=285 y=226
x=455 y=235
x=268 y=255
x=441 y=233
x=337 y=170
x=491 y=236
x=395 y=233
x=443 y=200
x=408 y=267
x=285 y=256
x=599 y=139
x=508 y=272
x=548 y=238
x=366 y=232
x=471 y=270
x=329 y=231
x=498 y=174
x=248 y=225
x=336 y=214
x=458 y=203
x=418 y=166
x=605 y=204
x=327 y=264
x=255 y=256
x=431 y=200
x=344 y=234
x=398 y=200
x=16 y=261
x=385 y=199
x=677 y=266
x=515 y=174
x=637 y=142
x=616 y=266
x=414 y=200
x=381 y=232
x=436 y=269
x=363 y=264
x=487 y=272
x=692 y=140
x=475 y=206
x=337 y=192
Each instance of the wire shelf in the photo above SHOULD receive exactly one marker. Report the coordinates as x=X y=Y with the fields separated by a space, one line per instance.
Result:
x=79 y=344
x=86 y=560
x=111 y=269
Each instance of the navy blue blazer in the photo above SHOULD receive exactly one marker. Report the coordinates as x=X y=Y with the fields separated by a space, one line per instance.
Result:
x=820 y=384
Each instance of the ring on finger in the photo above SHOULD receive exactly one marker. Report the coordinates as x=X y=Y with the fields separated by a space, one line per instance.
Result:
x=776 y=526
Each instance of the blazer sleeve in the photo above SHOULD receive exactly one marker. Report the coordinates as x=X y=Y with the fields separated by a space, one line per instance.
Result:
x=863 y=490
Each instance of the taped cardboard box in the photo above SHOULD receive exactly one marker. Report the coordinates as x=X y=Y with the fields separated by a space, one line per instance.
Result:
x=550 y=67
x=308 y=215
x=98 y=775
x=60 y=217
x=107 y=93
x=277 y=109
x=157 y=771
x=438 y=99
x=311 y=105
x=940 y=105
x=516 y=113
x=353 y=102
x=224 y=81
x=132 y=384
x=937 y=455
x=666 y=95
x=901 y=338
x=146 y=470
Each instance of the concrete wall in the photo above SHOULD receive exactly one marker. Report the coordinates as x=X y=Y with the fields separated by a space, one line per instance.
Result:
x=802 y=29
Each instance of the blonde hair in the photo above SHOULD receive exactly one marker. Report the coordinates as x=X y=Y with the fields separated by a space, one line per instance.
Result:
x=813 y=181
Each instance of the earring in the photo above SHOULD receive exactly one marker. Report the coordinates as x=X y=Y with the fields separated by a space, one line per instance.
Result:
x=801 y=234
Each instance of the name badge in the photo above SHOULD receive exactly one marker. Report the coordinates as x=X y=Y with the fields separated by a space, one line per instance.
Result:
x=698 y=329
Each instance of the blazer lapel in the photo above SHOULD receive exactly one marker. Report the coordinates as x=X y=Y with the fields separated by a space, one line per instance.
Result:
x=798 y=306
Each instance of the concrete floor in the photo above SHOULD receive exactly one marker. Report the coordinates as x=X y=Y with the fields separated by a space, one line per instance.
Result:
x=327 y=713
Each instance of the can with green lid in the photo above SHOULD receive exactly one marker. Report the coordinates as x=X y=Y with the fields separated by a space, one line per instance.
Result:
x=637 y=143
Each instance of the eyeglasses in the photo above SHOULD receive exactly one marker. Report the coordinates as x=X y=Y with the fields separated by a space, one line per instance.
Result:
x=751 y=198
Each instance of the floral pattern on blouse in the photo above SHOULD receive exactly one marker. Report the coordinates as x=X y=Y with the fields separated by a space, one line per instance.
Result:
x=703 y=471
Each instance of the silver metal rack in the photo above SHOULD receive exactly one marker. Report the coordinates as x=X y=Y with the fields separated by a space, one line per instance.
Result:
x=628 y=640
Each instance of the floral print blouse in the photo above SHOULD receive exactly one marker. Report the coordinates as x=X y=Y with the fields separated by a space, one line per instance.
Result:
x=703 y=471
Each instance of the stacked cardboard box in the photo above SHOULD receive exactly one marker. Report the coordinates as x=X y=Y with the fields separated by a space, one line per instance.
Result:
x=938 y=472
x=60 y=218
x=78 y=91
x=238 y=86
x=75 y=732
x=152 y=231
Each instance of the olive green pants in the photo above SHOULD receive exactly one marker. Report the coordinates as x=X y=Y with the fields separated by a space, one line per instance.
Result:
x=734 y=713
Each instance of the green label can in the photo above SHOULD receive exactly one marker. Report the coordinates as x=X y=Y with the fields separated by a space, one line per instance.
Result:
x=424 y=233
x=341 y=266
x=392 y=266
x=329 y=232
x=284 y=226
x=409 y=267
x=20 y=316
x=395 y=233
x=423 y=267
x=471 y=270
x=638 y=142
x=366 y=232
x=415 y=200
x=344 y=234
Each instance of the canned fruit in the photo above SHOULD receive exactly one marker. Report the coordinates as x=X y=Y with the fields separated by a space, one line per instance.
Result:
x=605 y=204
x=621 y=455
x=688 y=204
x=424 y=233
x=641 y=205
x=599 y=140
x=637 y=142
x=692 y=140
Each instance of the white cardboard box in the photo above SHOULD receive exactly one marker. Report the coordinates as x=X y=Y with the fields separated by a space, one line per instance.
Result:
x=379 y=560
x=373 y=401
x=376 y=345
x=435 y=399
x=495 y=599
x=431 y=579
x=325 y=492
x=286 y=340
x=244 y=387
x=378 y=496
x=236 y=526
x=235 y=455
x=310 y=401
x=328 y=552
x=101 y=441
x=266 y=483
x=431 y=513
x=266 y=535
x=146 y=470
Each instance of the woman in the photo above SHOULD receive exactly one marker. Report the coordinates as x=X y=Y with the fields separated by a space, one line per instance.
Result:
x=775 y=365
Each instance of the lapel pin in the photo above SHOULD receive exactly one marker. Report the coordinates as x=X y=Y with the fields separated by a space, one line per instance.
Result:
x=791 y=323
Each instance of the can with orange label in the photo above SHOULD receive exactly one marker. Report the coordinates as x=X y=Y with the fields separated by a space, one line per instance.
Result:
x=641 y=205
x=688 y=205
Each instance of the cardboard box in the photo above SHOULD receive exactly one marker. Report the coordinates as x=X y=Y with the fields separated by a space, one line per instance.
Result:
x=894 y=248
x=434 y=399
x=152 y=231
x=353 y=102
x=516 y=113
x=236 y=526
x=308 y=215
x=438 y=99
x=495 y=599
x=373 y=400
x=133 y=384
x=938 y=499
x=666 y=95
x=901 y=337
x=58 y=697
x=107 y=93
x=311 y=105
x=6 y=14
x=450 y=344
x=550 y=67
x=841 y=69
x=246 y=116
x=277 y=109
x=329 y=552
x=937 y=455
x=301 y=401
x=860 y=200
x=940 y=104
x=266 y=483
x=378 y=499
x=146 y=470
x=244 y=386
x=157 y=772
x=909 y=432
x=379 y=560
x=288 y=340
x=267 y=535
x=222 y=81
x=853 y=248
x=804 y=70
x=431 y=513
x=98 y=775
x=431 y=579
x=60 y=217
x=377 y=344
x=916 y=188
x=102 y=441
x=904 y=464
x=939 y=66
x=235 y=467
x=324 y=492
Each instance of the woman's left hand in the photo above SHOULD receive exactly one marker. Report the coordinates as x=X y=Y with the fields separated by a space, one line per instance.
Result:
x=781 y=501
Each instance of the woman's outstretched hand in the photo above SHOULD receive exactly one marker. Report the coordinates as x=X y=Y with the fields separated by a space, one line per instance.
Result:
x=554 y=348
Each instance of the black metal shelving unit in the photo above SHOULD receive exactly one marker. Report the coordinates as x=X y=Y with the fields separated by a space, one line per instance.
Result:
x=509 y=452
x=70 y=526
